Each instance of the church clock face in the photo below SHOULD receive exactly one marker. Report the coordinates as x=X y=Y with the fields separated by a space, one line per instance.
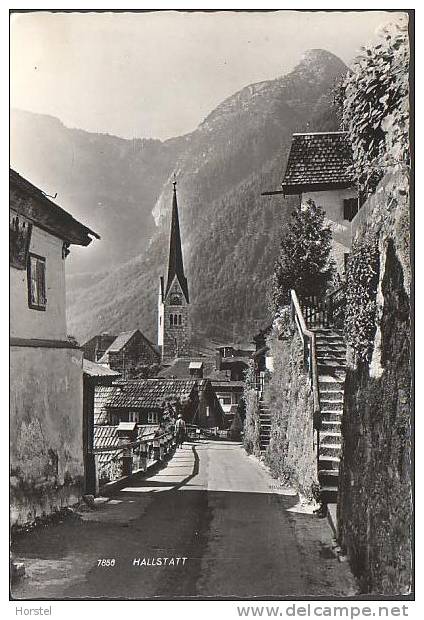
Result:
x=176 y=299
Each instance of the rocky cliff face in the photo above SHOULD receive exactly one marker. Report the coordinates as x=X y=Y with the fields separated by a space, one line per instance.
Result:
x=230 y=232
x=108 y=183
x=375 y=506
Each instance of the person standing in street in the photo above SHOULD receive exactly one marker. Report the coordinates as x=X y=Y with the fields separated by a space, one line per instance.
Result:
x=180 y=428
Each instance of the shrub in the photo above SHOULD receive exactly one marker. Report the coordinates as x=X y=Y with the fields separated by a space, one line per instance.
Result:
x=361 y=296
x=375 y=98
x=304 y=263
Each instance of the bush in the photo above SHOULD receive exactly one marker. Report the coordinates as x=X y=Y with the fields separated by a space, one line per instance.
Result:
x=375 y=98
x=361 y=296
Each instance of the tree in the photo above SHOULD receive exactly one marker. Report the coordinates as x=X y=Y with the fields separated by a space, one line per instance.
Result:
x=304 y=263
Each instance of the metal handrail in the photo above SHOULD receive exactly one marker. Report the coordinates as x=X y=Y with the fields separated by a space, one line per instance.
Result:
x=309 y=349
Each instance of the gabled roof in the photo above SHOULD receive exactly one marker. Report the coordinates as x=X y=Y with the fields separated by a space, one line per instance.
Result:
x=318 y=161
x=97 y=370
x=175 y=265
x=150 y=393
x=47 y=215
x=121 y=341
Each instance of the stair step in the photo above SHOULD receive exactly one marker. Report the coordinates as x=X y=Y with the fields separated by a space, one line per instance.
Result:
x=328 y=457
x=328 y=472
x=329 y=446
x=329 y=386
x=330 y=426
x=335 y=395
x=329 y=494
x=328 y=406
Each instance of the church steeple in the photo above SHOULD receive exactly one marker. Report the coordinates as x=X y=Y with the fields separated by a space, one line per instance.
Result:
x=173 y=302
x=176 y=265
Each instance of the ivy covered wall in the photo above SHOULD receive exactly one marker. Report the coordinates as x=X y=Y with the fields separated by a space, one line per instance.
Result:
x=291 y=455
x=375 y=505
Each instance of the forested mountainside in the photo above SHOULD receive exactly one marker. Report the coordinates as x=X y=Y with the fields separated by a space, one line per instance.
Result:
x=230 y=232
x=108 y=183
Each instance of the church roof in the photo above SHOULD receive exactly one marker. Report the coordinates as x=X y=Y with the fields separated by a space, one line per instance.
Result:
x=318 y=161
x=175 y=265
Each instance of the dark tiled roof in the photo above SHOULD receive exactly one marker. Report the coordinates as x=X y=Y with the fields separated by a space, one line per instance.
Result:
x=318 y=160
x=102 y=395
x=180 y=368
x=150 y=393
x=106 y=437
x=54 y=218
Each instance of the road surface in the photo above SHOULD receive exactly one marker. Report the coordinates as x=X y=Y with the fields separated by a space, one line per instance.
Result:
x=212 y=523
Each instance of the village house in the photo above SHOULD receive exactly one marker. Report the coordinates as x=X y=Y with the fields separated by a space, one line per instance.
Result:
x=96 y=347
x=211 y=413
x=145 y=401
x=227 y=392
x=319 y=169
x=94 y=376
x=129 y=353
x=46 y=372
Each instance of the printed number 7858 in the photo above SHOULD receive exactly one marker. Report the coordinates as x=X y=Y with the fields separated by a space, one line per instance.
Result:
x=106 y=562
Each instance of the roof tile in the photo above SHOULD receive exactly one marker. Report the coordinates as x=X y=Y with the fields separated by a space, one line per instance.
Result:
x=318 y=159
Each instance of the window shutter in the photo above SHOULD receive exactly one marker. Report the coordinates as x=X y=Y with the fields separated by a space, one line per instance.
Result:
x=41 y=282
x=33 y=281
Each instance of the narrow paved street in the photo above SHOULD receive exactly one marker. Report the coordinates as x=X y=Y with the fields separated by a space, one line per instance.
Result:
x=242 y=536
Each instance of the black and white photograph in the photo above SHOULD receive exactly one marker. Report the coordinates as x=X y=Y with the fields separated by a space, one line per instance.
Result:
x=211 y=307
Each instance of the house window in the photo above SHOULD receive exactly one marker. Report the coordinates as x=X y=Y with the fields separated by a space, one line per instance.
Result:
x=133 y=416
x=152 y=417
x=171 y=320
x=179 y=319
x=37 y=282
x=350 y=208
x=225 y=400
x=208 y=411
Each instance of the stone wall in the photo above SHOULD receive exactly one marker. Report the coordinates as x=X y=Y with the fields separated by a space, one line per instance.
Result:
x=46 y=453
x=375 y=509
x=291 y=454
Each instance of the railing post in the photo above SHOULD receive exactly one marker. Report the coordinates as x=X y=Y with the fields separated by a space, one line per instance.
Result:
x=161 y=448
x=143 y=456
x=156 y=450
x=127 y=462
x=305 y=353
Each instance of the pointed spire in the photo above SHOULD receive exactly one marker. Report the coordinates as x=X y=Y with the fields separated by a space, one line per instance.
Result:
x=176 y=266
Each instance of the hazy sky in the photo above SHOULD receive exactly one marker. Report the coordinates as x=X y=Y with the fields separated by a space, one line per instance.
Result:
x=159 y=74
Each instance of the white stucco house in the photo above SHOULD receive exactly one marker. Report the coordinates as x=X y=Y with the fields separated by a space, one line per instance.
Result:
x=319 y=168
x=46 y=372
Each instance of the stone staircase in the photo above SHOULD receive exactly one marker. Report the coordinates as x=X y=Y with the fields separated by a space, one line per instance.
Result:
x=265 y=425
x=331 y=363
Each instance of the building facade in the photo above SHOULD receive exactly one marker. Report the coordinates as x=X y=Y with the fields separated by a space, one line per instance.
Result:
x=130 y=353
x=319 y=169
x=46 y=375
x=173 y=303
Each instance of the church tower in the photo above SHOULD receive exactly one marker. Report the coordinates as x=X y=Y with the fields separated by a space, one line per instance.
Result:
x=173 y=306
